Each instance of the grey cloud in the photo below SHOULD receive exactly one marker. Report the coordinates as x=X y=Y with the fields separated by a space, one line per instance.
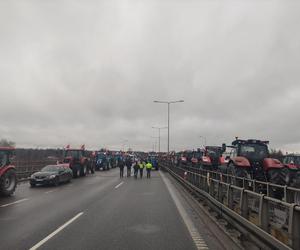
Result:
x=88 y=72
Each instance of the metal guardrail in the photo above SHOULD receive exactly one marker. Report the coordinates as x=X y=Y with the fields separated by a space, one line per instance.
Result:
x=26 y=168
x=284 y=193
x=275 y=223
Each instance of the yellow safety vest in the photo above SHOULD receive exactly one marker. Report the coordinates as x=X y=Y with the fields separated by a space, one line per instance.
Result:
x=149 y=166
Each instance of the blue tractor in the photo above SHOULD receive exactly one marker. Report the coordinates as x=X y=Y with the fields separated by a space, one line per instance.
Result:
x=102 y=161
x=154 y=161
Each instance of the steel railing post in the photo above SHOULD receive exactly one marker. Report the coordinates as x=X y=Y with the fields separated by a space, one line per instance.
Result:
x=294 y=227
x=264 y=213
x=244 y=204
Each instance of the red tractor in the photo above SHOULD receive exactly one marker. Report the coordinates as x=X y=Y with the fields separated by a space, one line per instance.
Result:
x=189 y=158
x=213 y=157
x=78 y=161
x=250 y=159
x=292 y=162
x=8 y=176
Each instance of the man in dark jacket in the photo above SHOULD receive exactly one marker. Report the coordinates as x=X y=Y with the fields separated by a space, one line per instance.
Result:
x=121 y=166
x=136 y=169
x=128 y=164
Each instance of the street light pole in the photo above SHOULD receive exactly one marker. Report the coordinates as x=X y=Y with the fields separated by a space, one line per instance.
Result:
x=124 y=143
x=154 y=145
x=204 y=139
x=159 y=128
x=168 y=128
x=169 y=103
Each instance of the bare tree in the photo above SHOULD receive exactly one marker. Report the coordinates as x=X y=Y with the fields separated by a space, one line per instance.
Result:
x=7 y=143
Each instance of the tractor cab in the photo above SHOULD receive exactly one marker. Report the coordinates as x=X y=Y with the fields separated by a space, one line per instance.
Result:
x=77 y=161
x=72 y=155
x=213 y=157
x=197 y=156
x=251 y=159
x=5 y=156
x=292 y=161
x=253 y=150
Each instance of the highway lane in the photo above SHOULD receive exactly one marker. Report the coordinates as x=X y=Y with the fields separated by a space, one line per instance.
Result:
x=99 y=211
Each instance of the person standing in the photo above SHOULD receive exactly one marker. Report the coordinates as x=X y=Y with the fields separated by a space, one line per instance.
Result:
x=141 y=168
x=136 y=169
x=148 y=168
x=121 y=166
x=128 y=164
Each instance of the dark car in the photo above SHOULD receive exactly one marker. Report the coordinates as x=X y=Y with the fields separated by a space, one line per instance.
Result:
x=51 y=175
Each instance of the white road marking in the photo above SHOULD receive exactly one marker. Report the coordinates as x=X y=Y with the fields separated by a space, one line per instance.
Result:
x=119 y=185
x=197 y=238
x=51 y=191
x=16 y=202
x=42 y=242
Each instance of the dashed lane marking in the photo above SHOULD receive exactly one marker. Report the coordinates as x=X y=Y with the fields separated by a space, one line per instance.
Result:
x=42 y=242
x=119 y=185
x=197 y=238
x=49 y=192
x=13 y=203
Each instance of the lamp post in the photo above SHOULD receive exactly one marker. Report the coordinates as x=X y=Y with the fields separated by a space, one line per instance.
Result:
x=169 y=103
x=154 y=145
x=123 y=145
x=159 y=128
x=204 y=139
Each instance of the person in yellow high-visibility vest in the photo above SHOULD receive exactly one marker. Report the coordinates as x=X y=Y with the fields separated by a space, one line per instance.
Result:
x=148 y=168
x=141 y=166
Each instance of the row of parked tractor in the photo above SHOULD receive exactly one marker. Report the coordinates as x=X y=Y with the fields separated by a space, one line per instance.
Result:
x=246 y=159
x=74 y=163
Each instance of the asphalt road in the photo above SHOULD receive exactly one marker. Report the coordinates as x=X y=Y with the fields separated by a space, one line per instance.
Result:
x=99 y=211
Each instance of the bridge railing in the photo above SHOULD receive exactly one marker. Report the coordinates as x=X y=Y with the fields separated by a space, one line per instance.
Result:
x=26 y=168
x=276 y=223
x=284 y=193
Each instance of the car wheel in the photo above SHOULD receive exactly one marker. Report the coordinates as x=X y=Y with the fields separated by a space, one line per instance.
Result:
x=69 y=178
x=32 y=185
x=56 y=181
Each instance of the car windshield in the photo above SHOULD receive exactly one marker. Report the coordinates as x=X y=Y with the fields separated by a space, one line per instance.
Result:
x=254 y=151
x=50 y=168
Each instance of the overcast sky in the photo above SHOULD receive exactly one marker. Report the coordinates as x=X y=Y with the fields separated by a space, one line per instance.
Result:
x=88 y=71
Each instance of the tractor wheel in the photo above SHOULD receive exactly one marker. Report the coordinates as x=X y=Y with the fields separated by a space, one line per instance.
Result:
x=297 y=198
x=76 y=171
x=83 y=170
x=237 y=172
x=295 y=182
x=278 y=176
x=8 y=182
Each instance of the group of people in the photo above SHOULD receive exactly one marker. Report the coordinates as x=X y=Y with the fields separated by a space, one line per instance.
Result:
x=137 y=165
